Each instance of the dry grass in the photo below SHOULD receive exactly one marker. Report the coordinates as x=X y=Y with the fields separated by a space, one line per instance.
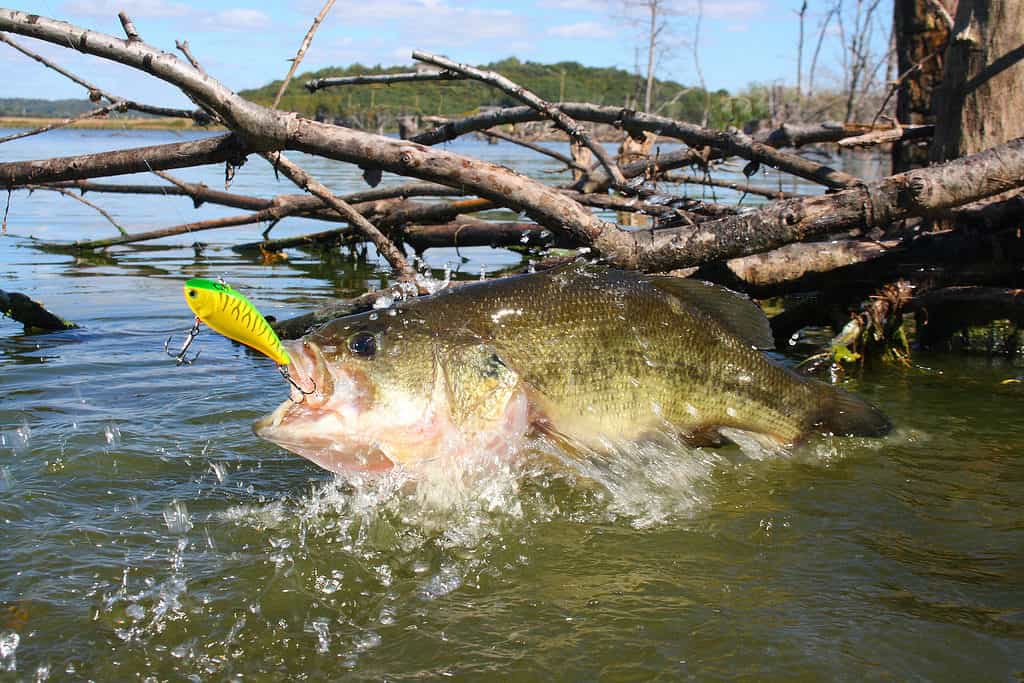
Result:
x=108 y=123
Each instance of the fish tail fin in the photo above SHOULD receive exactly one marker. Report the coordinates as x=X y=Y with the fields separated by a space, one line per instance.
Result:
x=844 y=414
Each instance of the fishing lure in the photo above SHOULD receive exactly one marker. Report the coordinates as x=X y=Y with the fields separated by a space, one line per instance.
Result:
x=228 y=312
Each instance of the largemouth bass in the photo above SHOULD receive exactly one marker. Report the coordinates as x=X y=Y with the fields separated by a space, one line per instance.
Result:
x=584 y=353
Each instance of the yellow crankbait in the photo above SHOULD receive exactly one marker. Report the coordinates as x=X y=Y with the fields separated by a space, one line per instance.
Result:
x=229 y=313
x=226 y=311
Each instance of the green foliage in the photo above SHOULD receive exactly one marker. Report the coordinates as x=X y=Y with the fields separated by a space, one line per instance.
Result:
x=44 y=108
x=377 y=105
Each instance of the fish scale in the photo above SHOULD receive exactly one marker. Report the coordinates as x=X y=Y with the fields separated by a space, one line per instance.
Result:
x=600 y=355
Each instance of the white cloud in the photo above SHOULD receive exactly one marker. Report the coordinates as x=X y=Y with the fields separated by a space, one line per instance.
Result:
x=730 y=9
x=603 y=6
x=133 y=8
x=238 y=19
x=432 y=24
x=581 y=30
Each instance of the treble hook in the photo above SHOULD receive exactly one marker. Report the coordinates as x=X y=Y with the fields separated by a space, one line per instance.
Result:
x=283 y=369
x=180 y=356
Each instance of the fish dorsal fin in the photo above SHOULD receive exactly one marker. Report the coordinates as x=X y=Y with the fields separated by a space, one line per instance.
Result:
x=732 y=310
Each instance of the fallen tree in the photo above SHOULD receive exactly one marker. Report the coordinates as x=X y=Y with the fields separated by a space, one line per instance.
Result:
x=782 y=237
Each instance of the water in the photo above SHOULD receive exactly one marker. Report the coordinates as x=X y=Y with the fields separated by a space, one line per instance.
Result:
x=145 y=532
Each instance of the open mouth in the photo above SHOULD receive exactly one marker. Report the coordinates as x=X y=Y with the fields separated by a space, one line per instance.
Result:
x=313 y=383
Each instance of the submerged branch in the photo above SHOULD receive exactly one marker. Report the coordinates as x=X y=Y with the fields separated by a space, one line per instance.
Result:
x=81 y=200
x=498 y=135
x=30 y=313
x=384 y=246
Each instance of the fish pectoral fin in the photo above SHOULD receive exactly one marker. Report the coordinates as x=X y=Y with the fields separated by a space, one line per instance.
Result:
x=756 y=445
x=732 y=310
x=708 y=437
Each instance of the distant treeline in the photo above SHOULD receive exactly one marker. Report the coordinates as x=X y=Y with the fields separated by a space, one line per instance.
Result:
x=55 y=109
x=373 y=106
x=44 y=108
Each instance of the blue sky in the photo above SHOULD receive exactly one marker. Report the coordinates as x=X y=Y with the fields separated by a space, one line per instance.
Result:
x=246 y=44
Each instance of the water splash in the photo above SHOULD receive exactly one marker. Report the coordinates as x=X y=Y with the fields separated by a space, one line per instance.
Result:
x=9 y=641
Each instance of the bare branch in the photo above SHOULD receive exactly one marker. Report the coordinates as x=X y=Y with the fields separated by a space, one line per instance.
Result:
x=895 y=134
x=269 y=130
x=302 y=51
x=128 y=26
x=498 y=135
x=916 y=193
x=943 y=13
x=380 y=79
x=185 y=50
x=139 y=160
x=276 y=212
x=548 y=110
x=728 y=142
x=95 y=92
x=83 y=200
x=728 y=184
x=385 y=247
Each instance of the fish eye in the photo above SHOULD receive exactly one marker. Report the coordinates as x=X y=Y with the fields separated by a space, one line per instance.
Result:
x=192 y=293
x=363 y=344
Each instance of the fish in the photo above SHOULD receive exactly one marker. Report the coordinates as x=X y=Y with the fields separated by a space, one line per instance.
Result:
x=585 y=354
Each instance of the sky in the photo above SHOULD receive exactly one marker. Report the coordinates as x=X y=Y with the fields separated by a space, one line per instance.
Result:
x=246 y=44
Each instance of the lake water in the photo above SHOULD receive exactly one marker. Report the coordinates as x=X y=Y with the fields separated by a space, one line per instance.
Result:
x=145 y=533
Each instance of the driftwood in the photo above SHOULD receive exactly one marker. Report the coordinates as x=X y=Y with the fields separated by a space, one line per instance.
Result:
x=31 y=314
x=766 y=251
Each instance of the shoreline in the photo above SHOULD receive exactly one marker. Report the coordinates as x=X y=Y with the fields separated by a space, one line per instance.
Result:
x=105 y=123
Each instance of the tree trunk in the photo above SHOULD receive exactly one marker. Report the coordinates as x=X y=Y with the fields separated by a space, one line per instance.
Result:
x=978 y=104
x=921 y=36
x=651 y=44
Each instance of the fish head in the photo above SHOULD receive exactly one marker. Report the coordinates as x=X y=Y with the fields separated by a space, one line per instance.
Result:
x=393 y=388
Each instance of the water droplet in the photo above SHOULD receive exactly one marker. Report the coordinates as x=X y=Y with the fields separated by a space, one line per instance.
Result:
x=176 y=518
x=112 y=433
x=323 y=634
x=8 y=645
x=219 y=471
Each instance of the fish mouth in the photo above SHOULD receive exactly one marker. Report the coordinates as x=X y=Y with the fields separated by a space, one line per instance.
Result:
x=311 y=379
x=306 y=422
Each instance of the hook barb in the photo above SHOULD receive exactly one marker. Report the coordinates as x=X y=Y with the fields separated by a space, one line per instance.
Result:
x=283 y=369
x=181 y=357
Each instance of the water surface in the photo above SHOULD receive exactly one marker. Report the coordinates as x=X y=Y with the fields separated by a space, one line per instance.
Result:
x=145 y=532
